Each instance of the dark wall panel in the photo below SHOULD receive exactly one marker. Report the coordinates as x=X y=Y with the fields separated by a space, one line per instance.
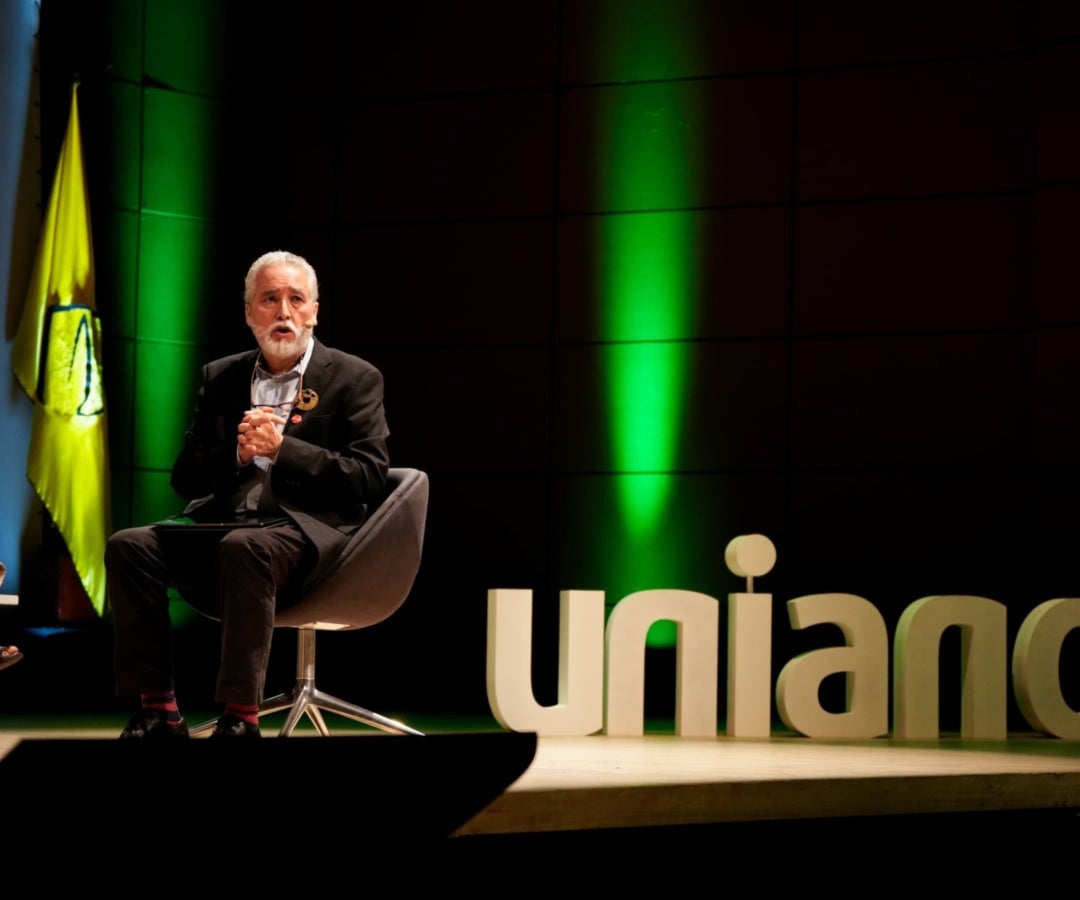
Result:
x=932 y=128
x=1051 y=566
x=433 y=158
x=308 y=196
x=433 y=47
x=467 y=409
x=949 y=264
x=1058 y=131
x=895 y=537
x=1056 y=414
x=912 y=403
x=1056 y=237
x=446 y=283
x=852 y=32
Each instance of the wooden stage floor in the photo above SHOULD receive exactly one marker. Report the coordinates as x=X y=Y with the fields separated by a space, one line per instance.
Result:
x=849 y=818
x=601 y=782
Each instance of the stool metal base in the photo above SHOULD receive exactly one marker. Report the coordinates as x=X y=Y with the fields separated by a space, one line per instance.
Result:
x=306 y=699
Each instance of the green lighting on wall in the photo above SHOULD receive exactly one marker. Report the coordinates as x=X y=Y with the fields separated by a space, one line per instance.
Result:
x=167 y=107
x=175 y=236
x=649 y=301
x=648 y=286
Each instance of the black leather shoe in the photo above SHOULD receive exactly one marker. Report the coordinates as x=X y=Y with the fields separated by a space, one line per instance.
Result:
x=151 y=723
x=230 y=726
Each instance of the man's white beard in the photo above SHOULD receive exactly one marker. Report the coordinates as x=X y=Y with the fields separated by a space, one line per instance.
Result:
x=281 y=350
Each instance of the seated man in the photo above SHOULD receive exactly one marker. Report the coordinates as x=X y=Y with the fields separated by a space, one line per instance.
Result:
x=292 y=429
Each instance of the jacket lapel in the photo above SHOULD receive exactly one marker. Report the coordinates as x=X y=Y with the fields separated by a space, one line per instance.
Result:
x=317 y=377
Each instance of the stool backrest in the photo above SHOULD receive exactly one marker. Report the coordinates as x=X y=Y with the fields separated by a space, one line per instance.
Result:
x=377 y=568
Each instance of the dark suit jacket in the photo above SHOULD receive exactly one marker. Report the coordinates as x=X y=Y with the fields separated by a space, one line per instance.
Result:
x=332 y=464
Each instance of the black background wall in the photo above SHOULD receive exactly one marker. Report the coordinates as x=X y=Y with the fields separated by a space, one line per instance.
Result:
x=883 y=363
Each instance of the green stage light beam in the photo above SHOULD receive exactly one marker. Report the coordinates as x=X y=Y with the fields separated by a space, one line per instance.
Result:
x=653 y=135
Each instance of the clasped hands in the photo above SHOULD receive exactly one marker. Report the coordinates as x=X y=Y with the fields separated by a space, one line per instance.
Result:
x=258 y=433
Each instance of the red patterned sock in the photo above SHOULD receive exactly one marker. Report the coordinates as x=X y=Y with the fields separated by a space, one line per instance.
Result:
x=166 y=703
x=249 y=714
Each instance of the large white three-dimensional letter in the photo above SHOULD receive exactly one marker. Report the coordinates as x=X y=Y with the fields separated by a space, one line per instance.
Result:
x=697 y=617
x=864 y=660
x=983 y=678
x=580 y=709
x=1036 y=668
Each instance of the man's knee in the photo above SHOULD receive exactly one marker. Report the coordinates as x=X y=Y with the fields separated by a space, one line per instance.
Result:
x=121 y=543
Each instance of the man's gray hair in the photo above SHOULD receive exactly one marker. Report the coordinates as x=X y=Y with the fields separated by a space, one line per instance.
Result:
x=280 y=258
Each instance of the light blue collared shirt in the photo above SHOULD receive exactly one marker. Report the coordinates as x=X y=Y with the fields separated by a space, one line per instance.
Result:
x=281 y=392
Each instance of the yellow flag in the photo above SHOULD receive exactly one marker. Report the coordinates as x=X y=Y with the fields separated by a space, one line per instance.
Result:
x=56 y=357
